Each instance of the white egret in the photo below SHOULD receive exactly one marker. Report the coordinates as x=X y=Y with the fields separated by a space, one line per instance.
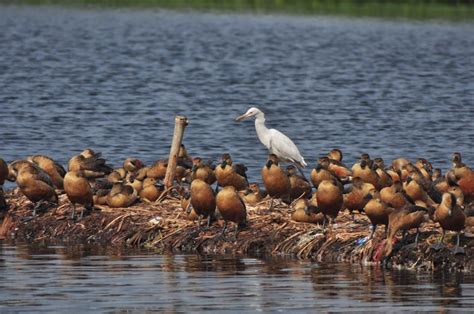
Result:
x=276 y=142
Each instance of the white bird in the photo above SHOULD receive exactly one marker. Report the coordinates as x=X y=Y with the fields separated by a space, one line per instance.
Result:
x=276 y=142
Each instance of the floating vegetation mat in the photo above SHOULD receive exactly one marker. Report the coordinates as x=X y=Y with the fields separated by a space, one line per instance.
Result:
x=164 y=226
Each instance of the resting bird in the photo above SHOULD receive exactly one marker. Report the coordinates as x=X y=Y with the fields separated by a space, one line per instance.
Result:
x=276 y=142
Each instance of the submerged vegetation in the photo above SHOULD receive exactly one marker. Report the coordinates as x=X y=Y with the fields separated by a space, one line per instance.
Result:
x=451 y=9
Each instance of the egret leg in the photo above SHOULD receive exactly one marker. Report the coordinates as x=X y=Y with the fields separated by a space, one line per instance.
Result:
x=301 y=172
x=438 y=246
x=457 y=249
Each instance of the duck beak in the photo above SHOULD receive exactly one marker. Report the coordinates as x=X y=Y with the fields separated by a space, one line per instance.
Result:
x=242 y=117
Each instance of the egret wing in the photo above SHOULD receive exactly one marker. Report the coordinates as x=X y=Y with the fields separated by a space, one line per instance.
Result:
x=282 y=146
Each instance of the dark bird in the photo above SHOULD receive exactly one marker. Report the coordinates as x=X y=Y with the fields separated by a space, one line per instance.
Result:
x=121 y=195
x=276 y=182
x=232 y=208
x=79 y=191
x=203 y=200
x=229 y=174
x=329 y=198
x=450 y=217
x=36 y=185
x=299 y=185
x=93 y=165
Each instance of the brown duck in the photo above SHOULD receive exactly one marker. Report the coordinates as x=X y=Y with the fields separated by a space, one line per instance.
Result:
x=406 y=218
x=121 y=195
x=378 y=213
x=78 y=190
x=364 y=170
x=3 y=171
x=275 y=179
x=36 y=185
x=321 y=172
x=202 y=171
x=158 y=169
x=55 y=171
x=253 y=195
x=231 y=207
x=329 y=198
x=303 y=213
x=299 y=185
x=228 y=174
x=395 y=196
x=355 y=197
x=92 y=163
x=450 y=217
x=203 y=200
x=151 y=191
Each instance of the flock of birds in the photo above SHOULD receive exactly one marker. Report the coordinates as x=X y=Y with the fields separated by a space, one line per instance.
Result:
x=401 y=197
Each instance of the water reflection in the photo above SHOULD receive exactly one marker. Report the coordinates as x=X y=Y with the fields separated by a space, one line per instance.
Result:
x=104 y=279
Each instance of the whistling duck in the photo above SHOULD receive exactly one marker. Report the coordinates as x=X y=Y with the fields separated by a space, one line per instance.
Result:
x=335 y=154
x=189 y=211
x=425 y=168
x=93 y=165
x=385 y=179
x=299 y=185
x=456 y=158
x=121 y=195
x=336 y=166
x=329 y=198
x=303 y=212
x=203 y=200
x=398 y=164
x=55 y=171
x=253 y=195
x=228 y=174
x=457 y=192
x=364 y=171
x=416 y=192
x=158 y=169
x=404 y=219
x=117 y=175
x=100 y=197
x=78 y=190
x=3 y=171
x=3 y=201
x=36 y=185
x=395 y=196
x=355 y=196
x=132 y=165
x=464 y=178
x=321 y=172
x=275 y=180
x=150 y=190
x=231 y=207
x=202 y=171
x=184 y=160
x=450 y=217
x=15 y=166
x=378 y=212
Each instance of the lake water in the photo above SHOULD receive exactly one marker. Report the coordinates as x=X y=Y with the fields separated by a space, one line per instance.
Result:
x=113 y=80
x=59 y=279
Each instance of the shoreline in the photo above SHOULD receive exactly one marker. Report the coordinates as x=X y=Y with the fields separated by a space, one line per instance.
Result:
x=164 y=228
x=418 y=10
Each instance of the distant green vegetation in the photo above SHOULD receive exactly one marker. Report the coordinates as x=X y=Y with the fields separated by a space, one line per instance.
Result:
x=453 y=9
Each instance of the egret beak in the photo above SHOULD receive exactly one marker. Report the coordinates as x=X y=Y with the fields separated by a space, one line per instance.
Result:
x=242 y=117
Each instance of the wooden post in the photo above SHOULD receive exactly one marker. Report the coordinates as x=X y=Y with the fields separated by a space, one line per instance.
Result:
x=180 y=123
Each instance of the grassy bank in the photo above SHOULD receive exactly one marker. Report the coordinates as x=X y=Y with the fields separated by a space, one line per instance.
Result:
x=419 y=9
